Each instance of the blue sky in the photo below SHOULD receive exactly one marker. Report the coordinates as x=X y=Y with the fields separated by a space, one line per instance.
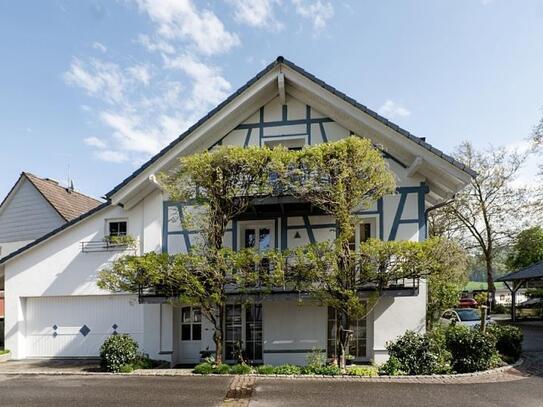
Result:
x=94 y=88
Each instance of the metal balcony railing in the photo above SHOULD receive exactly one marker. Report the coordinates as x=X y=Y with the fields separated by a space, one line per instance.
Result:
x=95 y=246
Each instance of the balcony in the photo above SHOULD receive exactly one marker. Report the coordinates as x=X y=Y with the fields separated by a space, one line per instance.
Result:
x=110 y=244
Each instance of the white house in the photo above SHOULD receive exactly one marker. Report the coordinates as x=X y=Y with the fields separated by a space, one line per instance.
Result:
x=55 y=309
x=33 y=207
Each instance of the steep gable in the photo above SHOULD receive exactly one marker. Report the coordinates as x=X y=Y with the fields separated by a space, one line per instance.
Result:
x=283 y=79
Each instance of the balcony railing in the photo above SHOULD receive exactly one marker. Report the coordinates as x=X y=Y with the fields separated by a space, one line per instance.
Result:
x=293 y=285
x=94 y=246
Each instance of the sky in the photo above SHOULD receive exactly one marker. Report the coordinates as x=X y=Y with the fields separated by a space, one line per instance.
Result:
x=89 y=90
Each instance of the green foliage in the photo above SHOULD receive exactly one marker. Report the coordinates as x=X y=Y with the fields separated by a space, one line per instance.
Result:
x=499 y=309
x=4 y=351
x=265 y=369
x=223 y=368
x=324 y=370
x=126 y=240
x=437 y=337
x=288 y=369
x=446 y=283
x=508 y=339
x=362 y=371
x=316 y=359
x=392 y=367
x=471 y=350
x=204 y=368
x=241 y=369
x=416 y=354
x=534 y=293
x=117 y=351
x=527 y=249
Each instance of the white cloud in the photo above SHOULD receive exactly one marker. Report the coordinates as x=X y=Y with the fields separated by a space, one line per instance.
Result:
x=99 y=46
x=155 y=44
x=391 y=109
x=95 y=142
x=111 y=156
x=318 y=11
x=97 y=78
x=131 y=134
x=140 y=73
x=181 y=20
x=257 y=13
x=209 y=86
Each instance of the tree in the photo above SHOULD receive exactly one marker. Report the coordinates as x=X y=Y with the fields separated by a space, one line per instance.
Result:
x=527 y=249
x=449 y=277
x=491 y=210
x=338 y=178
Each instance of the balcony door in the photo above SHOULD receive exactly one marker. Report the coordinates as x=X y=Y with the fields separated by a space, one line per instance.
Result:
x=258 y=235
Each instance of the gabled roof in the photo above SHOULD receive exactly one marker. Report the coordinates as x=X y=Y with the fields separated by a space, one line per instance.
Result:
x=313 y=78
x=69 y=203
x=534 y=271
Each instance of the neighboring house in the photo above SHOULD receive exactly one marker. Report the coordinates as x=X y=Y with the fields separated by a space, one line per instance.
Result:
x=55 y=309
x=33 y=207
x=503 y=295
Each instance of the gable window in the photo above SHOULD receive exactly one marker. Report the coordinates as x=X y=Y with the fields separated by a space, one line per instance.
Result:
x=116 y=227
x=292 y=143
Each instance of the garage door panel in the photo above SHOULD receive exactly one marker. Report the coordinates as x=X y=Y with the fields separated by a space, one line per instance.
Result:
x=77 y=326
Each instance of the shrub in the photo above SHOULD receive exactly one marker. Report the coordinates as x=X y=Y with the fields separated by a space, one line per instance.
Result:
x=204 y=368
x=414 y=354
x=117 y=351
x=471 y=350
x=508 y=339
x=499 y=309
x=362 y=371
x=327 y=370
x=265 y=369
x=222 y=369
x=316 y=358
x=438 y=338
x=288 y=369
x=392 y=367
x=241 y=369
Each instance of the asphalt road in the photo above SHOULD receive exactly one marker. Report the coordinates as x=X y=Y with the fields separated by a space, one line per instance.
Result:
x=525 y=393
x=116 y=391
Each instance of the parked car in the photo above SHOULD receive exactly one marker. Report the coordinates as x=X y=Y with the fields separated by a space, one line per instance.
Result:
x=463 y=316
x=467 y=303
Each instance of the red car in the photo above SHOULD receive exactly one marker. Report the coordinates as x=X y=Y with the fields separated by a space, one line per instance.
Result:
x=467 y=303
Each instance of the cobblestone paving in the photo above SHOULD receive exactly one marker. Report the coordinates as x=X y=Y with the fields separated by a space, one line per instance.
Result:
x=240 y=391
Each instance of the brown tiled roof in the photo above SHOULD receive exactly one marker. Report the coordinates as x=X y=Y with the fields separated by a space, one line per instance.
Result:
x=68 y=203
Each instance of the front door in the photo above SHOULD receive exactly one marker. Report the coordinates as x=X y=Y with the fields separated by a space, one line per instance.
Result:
x=190 y=335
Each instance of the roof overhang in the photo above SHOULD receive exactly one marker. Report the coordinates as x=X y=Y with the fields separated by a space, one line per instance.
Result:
x=443 y=174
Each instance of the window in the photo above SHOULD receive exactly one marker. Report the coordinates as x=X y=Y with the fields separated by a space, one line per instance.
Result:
x=292 y=143
x=191 y=324
x=117 y=228
x=233 y=327
x=364 y=231
x=253 y=331
x=358 y=340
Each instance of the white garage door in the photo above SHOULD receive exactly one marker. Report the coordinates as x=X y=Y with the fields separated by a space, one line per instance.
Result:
x=77 y=326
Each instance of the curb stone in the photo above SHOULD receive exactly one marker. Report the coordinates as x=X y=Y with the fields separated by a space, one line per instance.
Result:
x=5 y=357
x=418 y=378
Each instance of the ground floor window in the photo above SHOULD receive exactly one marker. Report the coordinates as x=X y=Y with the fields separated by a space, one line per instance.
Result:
x=243 y=331
x=191 y=324
x=358 y=340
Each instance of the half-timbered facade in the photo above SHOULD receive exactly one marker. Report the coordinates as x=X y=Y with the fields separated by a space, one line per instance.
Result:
x=65 y=314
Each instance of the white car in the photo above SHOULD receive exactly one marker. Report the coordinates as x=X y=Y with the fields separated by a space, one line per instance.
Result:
x=463 y=316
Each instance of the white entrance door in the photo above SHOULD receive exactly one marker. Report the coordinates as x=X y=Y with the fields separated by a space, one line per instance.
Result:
x=191 y=335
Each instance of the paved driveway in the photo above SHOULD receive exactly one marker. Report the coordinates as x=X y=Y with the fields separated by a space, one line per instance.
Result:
x=116 y=391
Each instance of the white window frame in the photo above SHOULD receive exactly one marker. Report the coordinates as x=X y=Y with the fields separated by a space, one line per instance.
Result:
x=256 y=224
x=114 y=220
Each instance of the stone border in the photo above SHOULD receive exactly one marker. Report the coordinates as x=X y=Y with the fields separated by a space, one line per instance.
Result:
x=183 y=372
x=5 y=357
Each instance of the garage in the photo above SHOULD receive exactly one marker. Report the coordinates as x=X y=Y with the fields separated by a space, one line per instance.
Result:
x=76 y=326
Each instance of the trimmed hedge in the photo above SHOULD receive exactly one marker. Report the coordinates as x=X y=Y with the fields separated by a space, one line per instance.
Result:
x=412 y=354
x=508 y=340
x=471 y=350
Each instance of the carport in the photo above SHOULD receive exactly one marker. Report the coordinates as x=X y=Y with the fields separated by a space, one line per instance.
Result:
x=528 y=276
